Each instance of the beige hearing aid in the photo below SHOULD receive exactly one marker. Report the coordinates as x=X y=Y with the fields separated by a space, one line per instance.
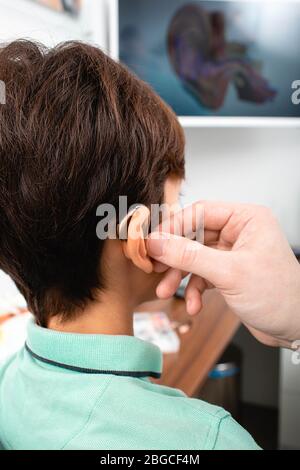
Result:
x=144 y=213
x=133 y=230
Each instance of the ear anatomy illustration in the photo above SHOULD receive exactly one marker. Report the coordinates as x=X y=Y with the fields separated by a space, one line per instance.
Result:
x=207 y=62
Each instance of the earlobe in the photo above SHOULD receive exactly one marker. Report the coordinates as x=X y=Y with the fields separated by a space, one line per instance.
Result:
x=135 y=246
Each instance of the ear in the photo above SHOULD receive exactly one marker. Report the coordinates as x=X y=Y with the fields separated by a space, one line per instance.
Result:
x=135 y=247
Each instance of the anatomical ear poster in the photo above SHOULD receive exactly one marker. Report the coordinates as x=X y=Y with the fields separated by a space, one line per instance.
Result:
x=215 y=58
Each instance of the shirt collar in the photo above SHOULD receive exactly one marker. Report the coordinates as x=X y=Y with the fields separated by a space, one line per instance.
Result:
x=94 y=354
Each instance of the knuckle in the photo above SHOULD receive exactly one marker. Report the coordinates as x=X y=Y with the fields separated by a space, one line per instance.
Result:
x=261 y=213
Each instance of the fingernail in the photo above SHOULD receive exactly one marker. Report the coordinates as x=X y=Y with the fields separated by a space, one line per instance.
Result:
x=156 y=244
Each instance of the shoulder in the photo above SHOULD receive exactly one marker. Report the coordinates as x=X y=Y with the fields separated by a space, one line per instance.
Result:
x=232 y=436
x=180 y=422
x=6 y=363
x=223 y=432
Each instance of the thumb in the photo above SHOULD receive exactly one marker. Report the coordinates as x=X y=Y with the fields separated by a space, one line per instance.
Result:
x=177 y=252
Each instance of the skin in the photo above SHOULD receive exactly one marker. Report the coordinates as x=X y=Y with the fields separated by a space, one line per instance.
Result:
x=130 y=281
x=246 y=257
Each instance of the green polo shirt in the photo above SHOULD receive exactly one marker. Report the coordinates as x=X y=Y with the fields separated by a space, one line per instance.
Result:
x=76 y=391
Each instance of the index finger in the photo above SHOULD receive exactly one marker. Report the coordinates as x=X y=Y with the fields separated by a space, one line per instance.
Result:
x=213 y=215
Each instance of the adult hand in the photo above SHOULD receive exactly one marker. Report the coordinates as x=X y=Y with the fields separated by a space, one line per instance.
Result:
x=246 y=257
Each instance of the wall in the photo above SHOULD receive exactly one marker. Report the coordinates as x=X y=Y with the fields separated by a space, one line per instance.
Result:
x=249 y=165
x=27 y=19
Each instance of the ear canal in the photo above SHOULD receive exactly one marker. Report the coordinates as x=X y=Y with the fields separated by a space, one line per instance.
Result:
x=135 y=246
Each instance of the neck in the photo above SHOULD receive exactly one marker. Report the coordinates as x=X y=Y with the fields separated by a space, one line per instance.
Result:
x=111 y=316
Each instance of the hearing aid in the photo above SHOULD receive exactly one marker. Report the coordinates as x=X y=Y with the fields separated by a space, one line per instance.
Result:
x=133 y=234
x=123 y=225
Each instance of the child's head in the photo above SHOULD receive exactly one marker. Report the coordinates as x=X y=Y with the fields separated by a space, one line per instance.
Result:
x=77 y=130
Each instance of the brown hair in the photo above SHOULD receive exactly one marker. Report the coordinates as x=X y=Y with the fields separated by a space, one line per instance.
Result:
x=77 y=130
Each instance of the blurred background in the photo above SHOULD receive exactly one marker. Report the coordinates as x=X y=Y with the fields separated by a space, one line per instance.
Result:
x=253 y=163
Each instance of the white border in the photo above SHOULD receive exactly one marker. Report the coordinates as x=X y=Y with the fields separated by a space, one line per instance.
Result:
x=206 y=121
x=114 y=29
x=241 y=121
